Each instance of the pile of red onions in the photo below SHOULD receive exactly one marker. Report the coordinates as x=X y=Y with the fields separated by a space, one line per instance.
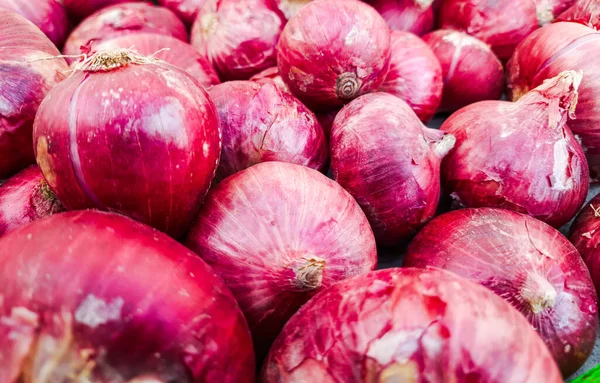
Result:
x=278 y=233
x=261 y=122
x=408 y=325
x=414 y=16
x=585 y=235
x=29 y=70
x=91 y=296
x=520 y=155
x=389 y=162
x=471 y=71
x=186 y=10
x=49 y=15
x=129 y=134
x=586 y=12
x=328 y=67
x=81 y=9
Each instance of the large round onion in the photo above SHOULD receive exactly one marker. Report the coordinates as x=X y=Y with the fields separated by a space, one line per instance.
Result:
x=27 y=73
x=520 y=155
x=185 y=9
x=96 y=297
x=327 y=67
x=526 y=262
x=129 y=134
x=408 y=325
x=414 y=16
x=261 y=122
x=390 y=163
x=278 y=233
x=586 y=12
x=49 y=15
x=585 y=236
x=81 y=9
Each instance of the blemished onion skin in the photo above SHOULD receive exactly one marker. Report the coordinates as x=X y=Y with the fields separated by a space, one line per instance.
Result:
x=326 y=68
x=586 y=12
x=414 y=16
x=238 y=37
x=252 y=133
x=389 y=162
x=106 y=299
x=585 y=236
x=528 y=263
x=185 y=9
x=278 y=233
x=415 y=74
x=81 y=9
x=141 y=139
x=270 y=76
x=27 y=73
x=520 y=155
x=408 y=325
x=49 y=15
x=471 y=71
x=123 y=19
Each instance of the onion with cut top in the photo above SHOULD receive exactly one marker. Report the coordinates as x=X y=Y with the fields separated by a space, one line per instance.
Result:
x=414 y=16
x=49 y=15
x=585 y=236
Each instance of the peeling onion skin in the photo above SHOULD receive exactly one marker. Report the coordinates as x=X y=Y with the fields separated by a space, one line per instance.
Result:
x=586 y=12
x=471 y=71
x=270 y=76
x=414 y=16
x=142 y=139
x=526 y=262
x=261 y=122
x=186 y=10
x=81 y=9
x=26 y=76
x=584 y=235
x=520 y=156
x=408 y=325
x=123 y=299
x=326 y=69
x=389 y=162
x=278 y=233
x=49 y=15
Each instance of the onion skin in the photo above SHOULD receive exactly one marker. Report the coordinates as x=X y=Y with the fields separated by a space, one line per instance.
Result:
x=135 y=304
x=414 y=16
x=520 y=156
x=327 y=70
x=409 y=325
x=252 y=134
x=389 y=162
x=415 y=75
x=584 y=236
x=186 y=10
x=26 y=76
x=278 y=233
x=586 y=12
x=49 y=15
x=471 y=71
x=270 y=76
x=81 y=9
x=289 y=8
x=153 y=162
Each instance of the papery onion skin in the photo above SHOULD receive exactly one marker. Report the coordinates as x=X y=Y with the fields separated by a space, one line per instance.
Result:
x=185 y=9
x=81 y=9
x=415 y=75
x=471 y=71
x=586 y=12
x=327 y=68
x=408 y=325
x=414 y=16
x=585 y=236
x=27 y=73
x=520 y=156
x=270 y=76
x=49 y=15
x=389 y=162
x=526 y=262
x=290 y=7
x=142 y=139
x=104 y=298
x=278 y=233
x=261 y=122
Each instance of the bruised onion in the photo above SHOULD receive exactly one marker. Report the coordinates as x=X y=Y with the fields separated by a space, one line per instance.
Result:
x=185 y=9
x=278 y=233
x=520 y=155
x=327 y=67
x=389 y=162
x=261 y=122
x=414 y=16
x=584 y=235
x=96 y=297
x=270 y=76
x=526 y=262
x=81 y=9
x=408 y=325
x=471 y=71
x=586 y=12
x=129 y=134
x=49 y=15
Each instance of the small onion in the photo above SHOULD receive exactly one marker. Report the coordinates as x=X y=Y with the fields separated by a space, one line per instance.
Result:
x=586 y=12
x=270 y=76
x=278 y=233
x=526 y=262
x=585 y=236
x=49 y=15
x=185 y=9
x=389 y=162
x=81 y=9
x=253 y=133
x=471 y=71
x=328 y=67
x=520 y=155
x=408 y=325
x=414 y=16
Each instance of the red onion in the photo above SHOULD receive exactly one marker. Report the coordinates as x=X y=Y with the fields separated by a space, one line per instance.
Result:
x=278 y=233
x=185 y=9
x=520 y=156
x=389 y=162
x=270 y=76
x=586 y=12
x=414 y=16
x=471 y=71
x=584 y=235
x=124 y=19
x=415 y=75
x=261 y=122
x=96 y=297
x=49 y=15
x=408 y=325
x=81 y=9
x=526 y=262
x=28 y=72
x=238 y=37
x=129 y=134
x=327 y=67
